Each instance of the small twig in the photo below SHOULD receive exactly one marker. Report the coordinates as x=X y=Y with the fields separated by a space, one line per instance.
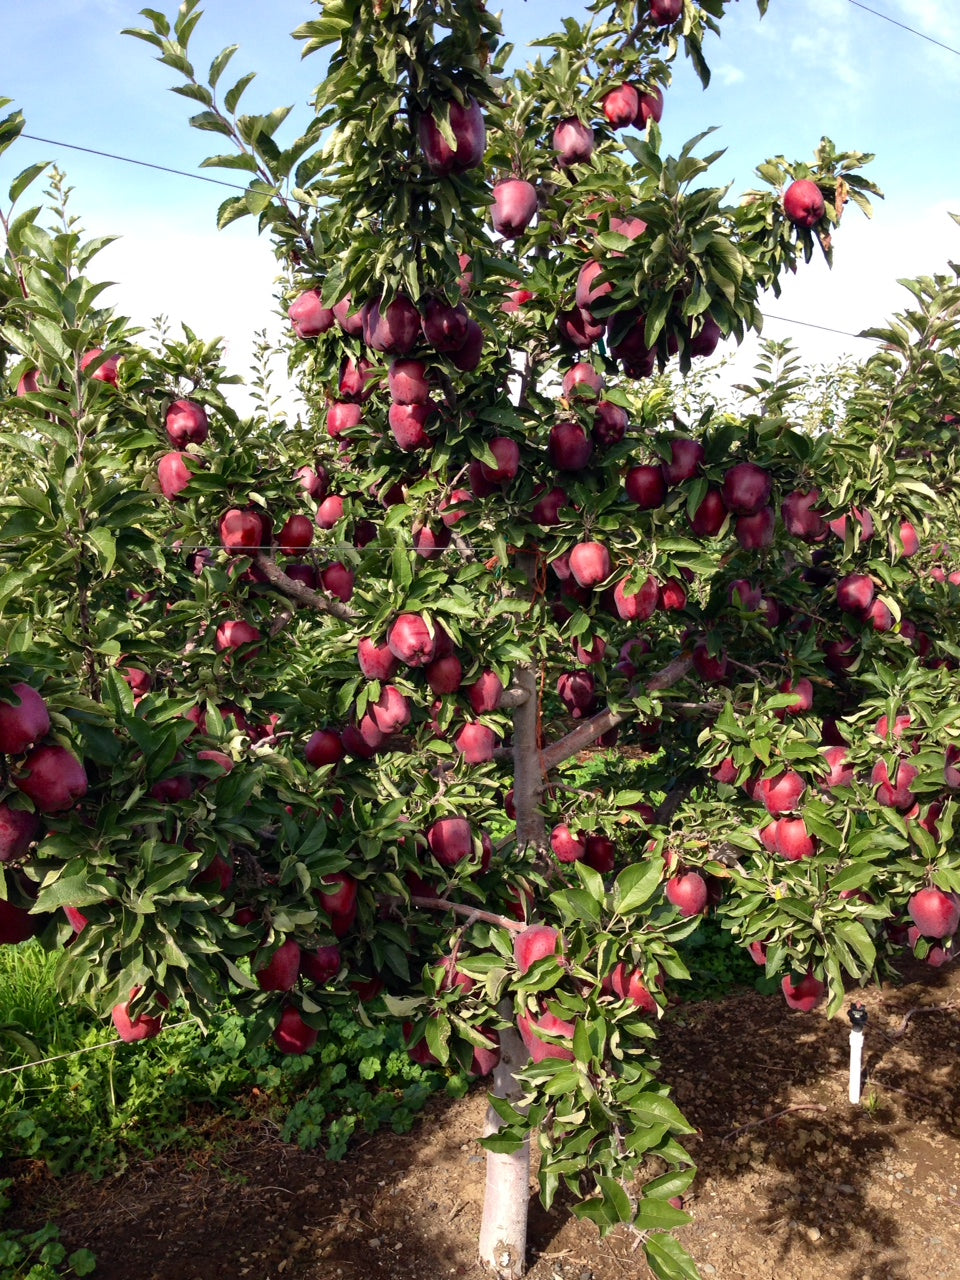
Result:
x=752 y=1124
x=920 y=1008
x=474 y=913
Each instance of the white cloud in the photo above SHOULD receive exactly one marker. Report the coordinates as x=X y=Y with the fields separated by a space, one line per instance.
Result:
x=728 y=74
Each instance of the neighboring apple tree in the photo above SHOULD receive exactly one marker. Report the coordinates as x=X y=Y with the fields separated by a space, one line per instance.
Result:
x=290 y=708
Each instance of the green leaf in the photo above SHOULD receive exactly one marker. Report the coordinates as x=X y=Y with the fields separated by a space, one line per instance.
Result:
x=104 y=545
x=668 y=1260
x=636 y=885
x=23 y=180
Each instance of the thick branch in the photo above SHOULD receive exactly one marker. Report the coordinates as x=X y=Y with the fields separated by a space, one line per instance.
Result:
x=515 y=696
x=590 y=730
x=301 y=594
x=527 y=770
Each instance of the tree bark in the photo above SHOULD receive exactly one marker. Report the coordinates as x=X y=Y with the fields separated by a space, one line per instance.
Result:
x=503 y=1230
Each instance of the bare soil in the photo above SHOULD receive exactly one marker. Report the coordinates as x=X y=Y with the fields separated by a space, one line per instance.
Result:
x=793 y=1182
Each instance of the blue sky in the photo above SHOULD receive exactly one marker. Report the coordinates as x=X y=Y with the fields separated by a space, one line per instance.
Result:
x=811 y=67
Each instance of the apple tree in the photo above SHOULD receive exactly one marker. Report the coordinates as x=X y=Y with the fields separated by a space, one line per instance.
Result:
x=315 y=686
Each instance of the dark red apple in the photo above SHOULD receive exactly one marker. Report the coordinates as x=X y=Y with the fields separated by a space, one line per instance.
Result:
x=589 y=291
x=709 y=517
x=444 y=675
x=579 y=329
x=295 y=535
x=507 y=455
x=444 y=326
x=323 y=747
x=337 y=894
x=470 y=139
x=408 y=424
x=337 y=580
x=18 y=830
x=514 y=204
x=546 y=510
x=755 y=533
x=569 y=446
x=349 y=320
x=292 y=1035
x=855 y=593
x=53 y=778
x=573 y=142
x=610 y=423
x=391 y=712
x=665 y=12
x=800 y=516
x=645 y=485
x=636 y=605
x=686 y=459
x=894 y=792
x=377 y=662
x=620 y=105
x=746 y=488
x=394 y=329
x=484 y=694
x=320 y=965
x=649 y=107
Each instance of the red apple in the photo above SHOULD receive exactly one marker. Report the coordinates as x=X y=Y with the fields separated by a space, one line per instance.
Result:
x=242 y=531
x=292 y=1035
x=565 y=844
x=476 y=743
x=636 y=605
x=579 y=329
x=935 y=913
x=801 y=518
x=394 y=329
x=236 y=633
x=620 y=105
x=377 y=662
x=514 y=204
x=24 y=719
x=412 y=640
x=610 y=423
x=709 y=517
x=533 y=943
x=803 y=203
x=470 y=139
x=590 y=563
x=308 y=316
x=649 y=107
x=546 y=510
x=391 y=712
x=408 y=382
x=688 y=893
x=349 y=320
x=186 y=423
x=320 y=965
x=793 y=841
x=444 y=326
x=106 y=371
x=337 y=894
x=588 y=291
x=485 y=692
x=582 y=379
x=507 y=455
x=53 y=778
x=780 y=794
x=841 y=774
x=408 y=424
x=142 y=1027
x=540 y=1049
x=804 y=994
x=573 y=142
x=628 y=984
x=645 y=485
x=450 y=841
x=754 y=533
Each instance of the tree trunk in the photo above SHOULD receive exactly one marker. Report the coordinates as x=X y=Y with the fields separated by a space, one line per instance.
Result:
x=503 y=1231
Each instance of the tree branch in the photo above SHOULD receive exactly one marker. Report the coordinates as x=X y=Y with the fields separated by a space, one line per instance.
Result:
x=590 y=730
x=301 y=594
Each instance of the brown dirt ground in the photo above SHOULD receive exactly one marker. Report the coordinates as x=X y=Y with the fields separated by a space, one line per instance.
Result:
x=794 y=1183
